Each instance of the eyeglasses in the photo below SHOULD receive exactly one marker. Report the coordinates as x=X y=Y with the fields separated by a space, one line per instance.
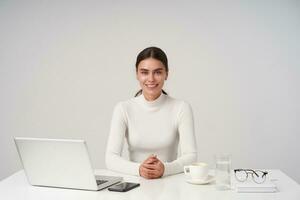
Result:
x=258 y=176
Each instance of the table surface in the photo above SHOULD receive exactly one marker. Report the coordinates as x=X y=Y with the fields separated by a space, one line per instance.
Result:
x=16 y=187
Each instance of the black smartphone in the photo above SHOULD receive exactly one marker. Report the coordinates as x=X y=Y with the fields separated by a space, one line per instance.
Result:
x=123 y=187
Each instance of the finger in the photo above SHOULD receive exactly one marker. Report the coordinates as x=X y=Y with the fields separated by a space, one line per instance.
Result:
x=150 y=160
x=152 y=156
x=146 y=173
x=153 y=175
x=150 y=166
x=158 y=160
x=161 y=165
x=160 y=168
x=149 y=170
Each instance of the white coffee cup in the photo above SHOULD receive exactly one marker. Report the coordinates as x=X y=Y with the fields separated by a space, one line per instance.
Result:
x=197 y=171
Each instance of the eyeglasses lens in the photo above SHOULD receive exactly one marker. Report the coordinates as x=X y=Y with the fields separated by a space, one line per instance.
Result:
x=241 y=175
x=259 y=178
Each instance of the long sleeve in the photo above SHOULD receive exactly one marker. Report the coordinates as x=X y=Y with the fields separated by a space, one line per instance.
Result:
x=158 y=127
x=113 y=158
x=187 y=141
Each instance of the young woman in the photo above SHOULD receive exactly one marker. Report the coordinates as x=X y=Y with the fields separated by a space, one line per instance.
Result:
x=153 y=124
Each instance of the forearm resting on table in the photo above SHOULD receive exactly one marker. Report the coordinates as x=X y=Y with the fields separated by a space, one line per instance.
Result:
x=176 y=166
x=116 y=163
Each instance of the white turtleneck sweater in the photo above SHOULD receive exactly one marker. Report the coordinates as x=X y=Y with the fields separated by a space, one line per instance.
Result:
x=157 y=127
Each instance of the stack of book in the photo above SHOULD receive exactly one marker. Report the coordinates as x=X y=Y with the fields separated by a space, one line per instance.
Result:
x=249 y=186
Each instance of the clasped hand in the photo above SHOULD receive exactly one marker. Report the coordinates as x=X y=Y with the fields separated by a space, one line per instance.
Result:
x=152 y=168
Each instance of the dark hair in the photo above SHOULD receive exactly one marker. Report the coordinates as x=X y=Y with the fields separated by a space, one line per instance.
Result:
x=152 y=52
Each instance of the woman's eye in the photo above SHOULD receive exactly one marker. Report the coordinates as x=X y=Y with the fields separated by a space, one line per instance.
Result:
x=144 y=73
x=158 y=72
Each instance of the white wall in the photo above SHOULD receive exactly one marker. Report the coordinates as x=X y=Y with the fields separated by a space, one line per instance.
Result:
x=65 y=64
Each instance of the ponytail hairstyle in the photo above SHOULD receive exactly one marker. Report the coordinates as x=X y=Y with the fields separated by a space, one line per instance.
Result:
x=152 y=52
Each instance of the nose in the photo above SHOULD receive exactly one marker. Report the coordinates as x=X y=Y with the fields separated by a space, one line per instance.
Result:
x=151 y=77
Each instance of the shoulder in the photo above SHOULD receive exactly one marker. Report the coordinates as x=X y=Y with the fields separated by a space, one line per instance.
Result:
x=179 y=103
x=183 y=109
x=122 y=109
x=126 y=104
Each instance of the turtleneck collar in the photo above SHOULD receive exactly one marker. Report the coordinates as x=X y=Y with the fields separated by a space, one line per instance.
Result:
x=152 y=104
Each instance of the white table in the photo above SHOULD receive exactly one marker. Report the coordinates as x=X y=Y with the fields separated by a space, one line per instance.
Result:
x=16 y=187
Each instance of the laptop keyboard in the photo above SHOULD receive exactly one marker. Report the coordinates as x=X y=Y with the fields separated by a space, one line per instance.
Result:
x=99 y=182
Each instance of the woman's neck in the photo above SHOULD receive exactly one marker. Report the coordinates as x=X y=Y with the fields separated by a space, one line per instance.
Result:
x=150 y=97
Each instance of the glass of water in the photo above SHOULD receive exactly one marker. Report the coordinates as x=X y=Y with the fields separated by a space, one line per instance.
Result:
x=222 y=173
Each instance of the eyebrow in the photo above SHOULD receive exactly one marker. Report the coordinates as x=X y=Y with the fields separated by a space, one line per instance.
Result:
x=158 y=69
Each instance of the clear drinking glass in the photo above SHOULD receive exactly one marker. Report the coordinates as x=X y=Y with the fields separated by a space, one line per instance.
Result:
x=222 y=173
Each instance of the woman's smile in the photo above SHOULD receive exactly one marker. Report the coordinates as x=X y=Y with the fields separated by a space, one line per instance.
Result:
x=151 y=85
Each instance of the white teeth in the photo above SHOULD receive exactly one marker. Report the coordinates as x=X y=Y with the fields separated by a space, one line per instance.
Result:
x=151 y=86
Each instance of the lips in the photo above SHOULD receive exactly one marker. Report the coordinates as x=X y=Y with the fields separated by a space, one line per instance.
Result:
x=151 y=85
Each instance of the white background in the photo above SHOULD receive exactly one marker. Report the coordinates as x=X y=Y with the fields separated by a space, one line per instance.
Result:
x=65 y=64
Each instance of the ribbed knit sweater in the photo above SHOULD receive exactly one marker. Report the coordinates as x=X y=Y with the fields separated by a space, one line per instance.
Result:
x=157 y=127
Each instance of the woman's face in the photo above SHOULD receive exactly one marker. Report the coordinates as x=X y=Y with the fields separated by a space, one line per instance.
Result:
x=151 y=74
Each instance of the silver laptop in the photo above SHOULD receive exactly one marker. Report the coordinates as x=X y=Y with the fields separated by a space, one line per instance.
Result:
x=60 y=163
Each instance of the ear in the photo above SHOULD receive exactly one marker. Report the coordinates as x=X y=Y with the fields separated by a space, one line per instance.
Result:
x=167 y=76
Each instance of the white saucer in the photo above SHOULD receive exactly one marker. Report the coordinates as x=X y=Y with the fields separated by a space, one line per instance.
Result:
x=209 y=179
